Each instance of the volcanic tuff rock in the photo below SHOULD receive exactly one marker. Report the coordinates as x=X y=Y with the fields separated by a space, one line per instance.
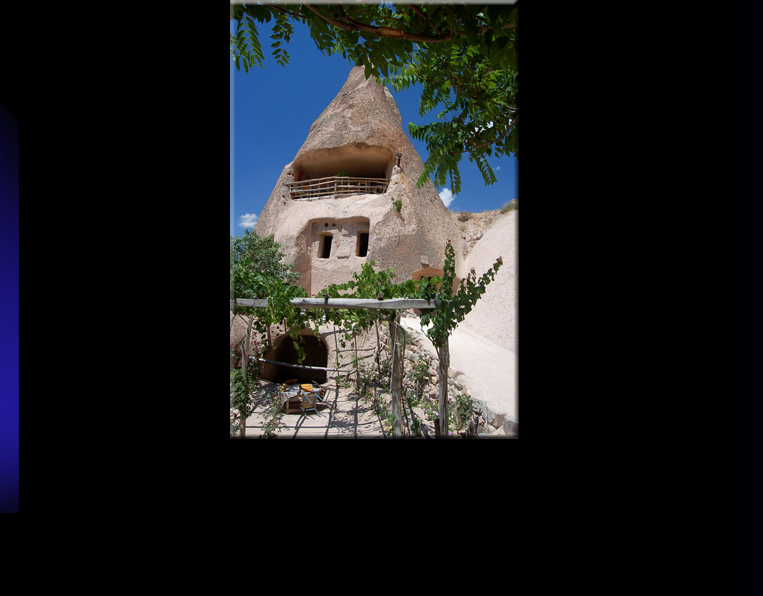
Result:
x=326 y=236
x=360 y=131
x=495 y=314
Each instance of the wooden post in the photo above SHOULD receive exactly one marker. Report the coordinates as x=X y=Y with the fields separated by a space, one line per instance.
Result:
x=397 y=379
x=357 y=369
x=336 y=343
x=378 y=347
x=248 y=336
x=242 y=411
x=443 y=353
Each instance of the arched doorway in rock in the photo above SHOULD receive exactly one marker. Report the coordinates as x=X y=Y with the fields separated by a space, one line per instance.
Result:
x=316 y=354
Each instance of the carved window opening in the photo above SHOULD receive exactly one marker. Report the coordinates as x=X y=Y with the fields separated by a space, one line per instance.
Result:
x=324 y=250
x=362 y=244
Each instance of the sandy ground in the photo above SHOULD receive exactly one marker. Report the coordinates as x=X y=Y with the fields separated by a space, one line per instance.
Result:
x=489 y=369
x=343 y=416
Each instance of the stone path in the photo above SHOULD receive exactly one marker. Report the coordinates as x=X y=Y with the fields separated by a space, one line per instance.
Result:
x=341 y=417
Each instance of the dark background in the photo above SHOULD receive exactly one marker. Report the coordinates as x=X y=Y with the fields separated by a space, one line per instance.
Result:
x=639 y=317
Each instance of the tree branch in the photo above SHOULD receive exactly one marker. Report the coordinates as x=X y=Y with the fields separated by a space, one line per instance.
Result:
x=296 y=16
x=332 y=21
x=382 y=31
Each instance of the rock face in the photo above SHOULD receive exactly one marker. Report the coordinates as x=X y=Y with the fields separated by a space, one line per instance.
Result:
x=328 y=236
x=495 y=314
x=361 y=132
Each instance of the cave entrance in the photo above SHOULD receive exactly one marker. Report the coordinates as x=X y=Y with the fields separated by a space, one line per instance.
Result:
x=316 y=355
x=359 y=160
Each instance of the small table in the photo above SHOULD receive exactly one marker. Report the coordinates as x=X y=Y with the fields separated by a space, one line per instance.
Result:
x=292 y=395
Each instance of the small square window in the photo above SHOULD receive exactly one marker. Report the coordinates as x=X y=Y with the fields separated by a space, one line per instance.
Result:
x=324 y=250
x=362 y=244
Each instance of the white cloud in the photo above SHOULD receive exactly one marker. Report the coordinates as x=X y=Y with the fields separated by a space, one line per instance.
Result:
x=447 y=197
x=497 y=168
x=247 y=220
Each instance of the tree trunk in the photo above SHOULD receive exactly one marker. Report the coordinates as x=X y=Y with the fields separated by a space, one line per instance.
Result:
x=443 y=352
x=242 y=423
x=397 y=378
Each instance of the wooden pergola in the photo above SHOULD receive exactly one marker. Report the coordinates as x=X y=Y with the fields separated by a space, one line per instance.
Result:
x=396 y=304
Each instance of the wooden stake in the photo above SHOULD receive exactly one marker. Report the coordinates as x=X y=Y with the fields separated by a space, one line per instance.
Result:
x=378 y=347
x=242 y=411
x=397 y=379
x=443 y=353
x=357 y=371
x=336 y=343
x=248 y=334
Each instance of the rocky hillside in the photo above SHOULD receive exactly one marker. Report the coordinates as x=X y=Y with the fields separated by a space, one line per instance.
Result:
x=474 y=227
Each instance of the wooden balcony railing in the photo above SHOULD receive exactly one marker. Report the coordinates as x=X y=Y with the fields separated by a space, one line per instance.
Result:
x=334 y=187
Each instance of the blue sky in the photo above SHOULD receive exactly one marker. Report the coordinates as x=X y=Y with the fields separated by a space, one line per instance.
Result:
x=272 y=109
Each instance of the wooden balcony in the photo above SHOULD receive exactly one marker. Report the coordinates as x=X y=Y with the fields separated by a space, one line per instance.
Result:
x=333 y=187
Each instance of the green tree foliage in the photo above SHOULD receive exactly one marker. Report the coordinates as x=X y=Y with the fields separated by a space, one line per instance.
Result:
x=452 y=308
x=464 y=55
x=480 y=114
x=256 y=267
x=366 y=284
x=257 y=271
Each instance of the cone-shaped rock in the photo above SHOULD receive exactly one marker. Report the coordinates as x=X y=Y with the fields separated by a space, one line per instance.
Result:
x=328 y=225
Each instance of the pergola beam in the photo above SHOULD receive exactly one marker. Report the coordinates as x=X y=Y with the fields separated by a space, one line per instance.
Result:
x=392 y=304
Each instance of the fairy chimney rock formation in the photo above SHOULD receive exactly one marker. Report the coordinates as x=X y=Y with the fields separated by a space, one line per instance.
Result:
x=329 y=225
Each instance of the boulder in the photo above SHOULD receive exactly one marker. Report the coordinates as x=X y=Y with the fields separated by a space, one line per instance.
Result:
x=510 y=426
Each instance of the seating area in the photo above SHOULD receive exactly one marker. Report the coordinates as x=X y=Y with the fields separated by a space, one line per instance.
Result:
x=301 y=397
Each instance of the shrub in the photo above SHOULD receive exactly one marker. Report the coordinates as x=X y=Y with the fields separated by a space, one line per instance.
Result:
x=464 y=215
x=511 y=205
x=416 y=375
x=462 y=409
x=273 y=417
